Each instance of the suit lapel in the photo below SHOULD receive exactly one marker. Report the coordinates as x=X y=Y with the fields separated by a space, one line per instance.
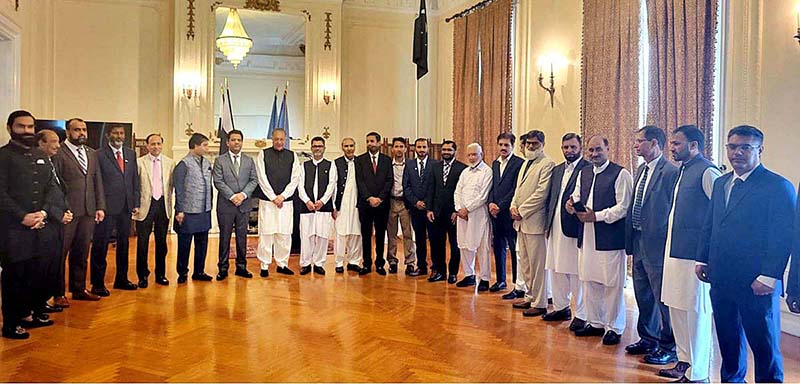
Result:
x=654 y=178
x=747 y=188
x=558 y=174
x=72 y=157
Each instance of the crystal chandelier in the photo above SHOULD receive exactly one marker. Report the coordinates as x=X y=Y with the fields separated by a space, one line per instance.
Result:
x=233 y=41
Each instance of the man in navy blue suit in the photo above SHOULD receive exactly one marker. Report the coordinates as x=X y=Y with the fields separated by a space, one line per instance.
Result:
x=504 y=180
x=417 y=183
x=120 y=175
x=746 y=242
x=793 y=285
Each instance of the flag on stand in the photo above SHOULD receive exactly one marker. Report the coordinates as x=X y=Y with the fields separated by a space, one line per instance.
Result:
x=225 y=119
x=420 y=57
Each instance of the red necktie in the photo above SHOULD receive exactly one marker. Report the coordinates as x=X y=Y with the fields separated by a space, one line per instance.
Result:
x=120 y=162
x=374 y=164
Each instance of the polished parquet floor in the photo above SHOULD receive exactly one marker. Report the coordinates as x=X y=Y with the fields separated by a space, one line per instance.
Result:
x=311 y=328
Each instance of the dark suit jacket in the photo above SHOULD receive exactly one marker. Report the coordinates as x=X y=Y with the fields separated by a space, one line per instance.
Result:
x=655 y=210
x=752 y=235
x=228 y=183
x=85 y=193
x=440 y=197
x=121 y=188
x=793 y=285
x=373 y=184
x=570 y=225
x=416 y=188
x=503 y=187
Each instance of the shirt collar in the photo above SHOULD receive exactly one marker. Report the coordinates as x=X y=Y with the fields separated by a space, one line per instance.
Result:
x=71 y=146
x=601 y=168
x=652 y=163
x=315 y=161
x=394 y=162
x=115 y=150
x=424 y=161
x=235 y=154
x=348 y=161
x=153 y=158
x=574 y=164
x=744 y=176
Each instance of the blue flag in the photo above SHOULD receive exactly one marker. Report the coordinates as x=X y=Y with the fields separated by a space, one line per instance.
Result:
x=273 y=118
x=283 y=118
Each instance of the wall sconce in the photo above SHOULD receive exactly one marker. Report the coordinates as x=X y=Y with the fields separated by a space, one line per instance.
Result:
x=189 y=84
x=328 y=94
x=797 y=15
x=555 y=62
x=551 y=90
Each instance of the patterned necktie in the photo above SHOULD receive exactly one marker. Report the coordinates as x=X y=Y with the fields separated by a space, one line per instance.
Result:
x=374 y=164
x=158 y=188
x=446 y=171
x=82 y=159
x=736 y=191
x=120 y=162
x=236 y=164
x=421 y=168
x=637 y=204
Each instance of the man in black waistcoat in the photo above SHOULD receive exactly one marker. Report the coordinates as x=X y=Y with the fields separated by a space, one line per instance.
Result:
x=317 y=186
x=374 y=178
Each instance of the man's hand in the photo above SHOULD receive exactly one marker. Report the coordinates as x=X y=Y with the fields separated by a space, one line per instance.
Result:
x=494 y=209
x=515 y=214
x=335 y=214
x=587 y=217
x=237 y=199
x=99 y=215
x=279 y=201
x=569 y=207
x=67 y=218
x=463 y=213
x=702 y=273
x=179 y=217
x=421 y=205
x=374 y=201
x=454 y=217
x=793 y=302
x=761 y=289
x=310 y=206
x=431 y=217
x=32 y=219
x=318 y=205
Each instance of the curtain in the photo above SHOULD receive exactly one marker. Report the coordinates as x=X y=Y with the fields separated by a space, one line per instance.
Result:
x=466 y=113
x=610 y=75
x=682 y=38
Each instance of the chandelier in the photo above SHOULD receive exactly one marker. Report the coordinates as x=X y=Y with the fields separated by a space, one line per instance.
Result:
x=233 y=41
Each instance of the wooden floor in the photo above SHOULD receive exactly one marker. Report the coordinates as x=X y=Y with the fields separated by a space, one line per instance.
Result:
x=309 y=328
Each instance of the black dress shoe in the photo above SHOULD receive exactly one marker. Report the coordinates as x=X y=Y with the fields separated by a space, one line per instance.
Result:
x=676 y=372
x=339 y=269
x=452 y=279
x=305 y=270
x=410 y=269
x=588 y=330
x=47 y=308
x=611 y=338
x=36 y=323
x=16 y=333
x=243 y=273
x=142 y=283
x=100 y=291
x=498 y=286
x=392 y=268
x=125 y=285
x=284 y=271
x=515 y=294
x=161 y=280
x=436 y=277
x=660 y=357
x=577 y=324
x=685 y=379
x=560 y=315
x=182 y=279
x=41 y=315
x=364 y=271
x=418 y=272
x=353 y=267
x=319 y=270
x=381 y=271
x=222 y=276
x=201 y=277
x=264 y=273
x=468 y=281
x=640 y=347
x=483 y=286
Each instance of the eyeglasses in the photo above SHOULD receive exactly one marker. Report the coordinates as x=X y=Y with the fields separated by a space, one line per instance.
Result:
x=743 y=147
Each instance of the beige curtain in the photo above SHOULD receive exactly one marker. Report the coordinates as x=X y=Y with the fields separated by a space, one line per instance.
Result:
x=682 y=37
x=610 y=75
x=466 y=101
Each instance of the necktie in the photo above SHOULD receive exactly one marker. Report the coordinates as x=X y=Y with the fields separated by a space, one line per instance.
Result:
x=316 y=182
x=446 y=172
x=421 y=168
x=158 y=188
x=736 y=191
x=82 y=159
x=120 y=162
x=374 y=164
x=637 y=204
x=55 y=174
x=236 y=164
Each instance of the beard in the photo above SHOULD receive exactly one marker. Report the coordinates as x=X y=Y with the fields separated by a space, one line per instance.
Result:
x=572 y=157
x=117 y=143
x=80 y=140
x=25 y=139
x=447 y=156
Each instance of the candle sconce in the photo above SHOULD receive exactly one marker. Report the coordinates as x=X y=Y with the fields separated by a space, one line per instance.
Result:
x=797 y=16
x=551 y=90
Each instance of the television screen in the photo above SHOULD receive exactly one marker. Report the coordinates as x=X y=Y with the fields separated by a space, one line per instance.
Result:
x=95 y=131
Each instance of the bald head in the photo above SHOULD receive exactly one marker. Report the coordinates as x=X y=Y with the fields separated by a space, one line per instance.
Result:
x=597 y=149
x=48 y=142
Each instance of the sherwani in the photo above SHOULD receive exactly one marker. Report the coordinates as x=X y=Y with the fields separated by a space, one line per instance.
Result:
x=348 y=226
x=316 y=227
x=275 y=224
x=603 y=272
x=474 y=235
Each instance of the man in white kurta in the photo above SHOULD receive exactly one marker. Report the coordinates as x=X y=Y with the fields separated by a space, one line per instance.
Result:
x=317 y=185
x=686 y=296
x=473 y=225
x=347 y=246
x=278 y=172
x=602 y=272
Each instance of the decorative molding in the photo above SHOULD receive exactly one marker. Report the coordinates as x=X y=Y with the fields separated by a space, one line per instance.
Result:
x=405 y=5
x=305 y=12
x=263 y=5
x=190 y=20
x=327 y=45
x=267 y=64
x=214 y=5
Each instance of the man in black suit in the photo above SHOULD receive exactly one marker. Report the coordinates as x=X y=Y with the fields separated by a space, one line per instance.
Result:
x=504 y=181
x=374 y=179
x=120 y=175
x=417 y=183
x=646 y=237
x=442 y=214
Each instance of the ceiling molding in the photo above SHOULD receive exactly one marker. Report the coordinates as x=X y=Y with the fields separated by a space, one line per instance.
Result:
x=404 y=6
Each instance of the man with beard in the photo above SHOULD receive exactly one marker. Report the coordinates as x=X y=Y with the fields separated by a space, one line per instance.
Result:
x=317 y=186
x=398 y=211
x=504 y=181
x=442 y=214
x=28 y=196
x=562 y=229
x=347 y=246
x=86 y=198
x=417 y=182
x=374 y=178
x=120 y=175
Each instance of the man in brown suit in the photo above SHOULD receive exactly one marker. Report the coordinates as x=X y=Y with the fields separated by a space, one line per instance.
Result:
x=84 y=184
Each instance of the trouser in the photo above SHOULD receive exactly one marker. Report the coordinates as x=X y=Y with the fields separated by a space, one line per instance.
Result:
x=653 y=324
x=398 y=212
x=693 y=341
x=519 y=282
x=17 y=291
x=444 y=231
x=157 y=223
x=483 y=256
x=275 y=245
x=42 y=281
x=567 y=286
x=200 y=250
x=743 y=318
x=421 y=226
x=102 y=233
x=228 y=224
x=505 y=236
x=313 y=249
x=605 y=306
x=373 y=218
x=77 y=236
x=532 y=256
x=347 y=247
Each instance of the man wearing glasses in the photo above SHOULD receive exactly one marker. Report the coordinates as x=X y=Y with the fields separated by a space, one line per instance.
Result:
x=745 y=245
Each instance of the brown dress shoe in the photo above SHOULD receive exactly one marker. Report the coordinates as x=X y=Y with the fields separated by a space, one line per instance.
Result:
x=61 y=302
x=534 y=312
x=522 y=304
x=85 y=296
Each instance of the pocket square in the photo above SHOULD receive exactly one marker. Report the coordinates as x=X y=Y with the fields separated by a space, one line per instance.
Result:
x=39 y=161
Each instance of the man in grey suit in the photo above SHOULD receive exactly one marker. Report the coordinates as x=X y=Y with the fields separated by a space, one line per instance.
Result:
x=645 y=239
x=235 y=178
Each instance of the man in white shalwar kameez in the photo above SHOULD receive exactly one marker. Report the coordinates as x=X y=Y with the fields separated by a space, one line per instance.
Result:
x=605 y=190
x=278 y=171
x=347 y=246
x=317 y=185
x=473 y=225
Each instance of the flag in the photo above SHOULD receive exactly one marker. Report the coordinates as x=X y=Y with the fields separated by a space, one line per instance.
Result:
x=273 y=118
x=225 y=120
x=421 y=41
x=283 y=117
